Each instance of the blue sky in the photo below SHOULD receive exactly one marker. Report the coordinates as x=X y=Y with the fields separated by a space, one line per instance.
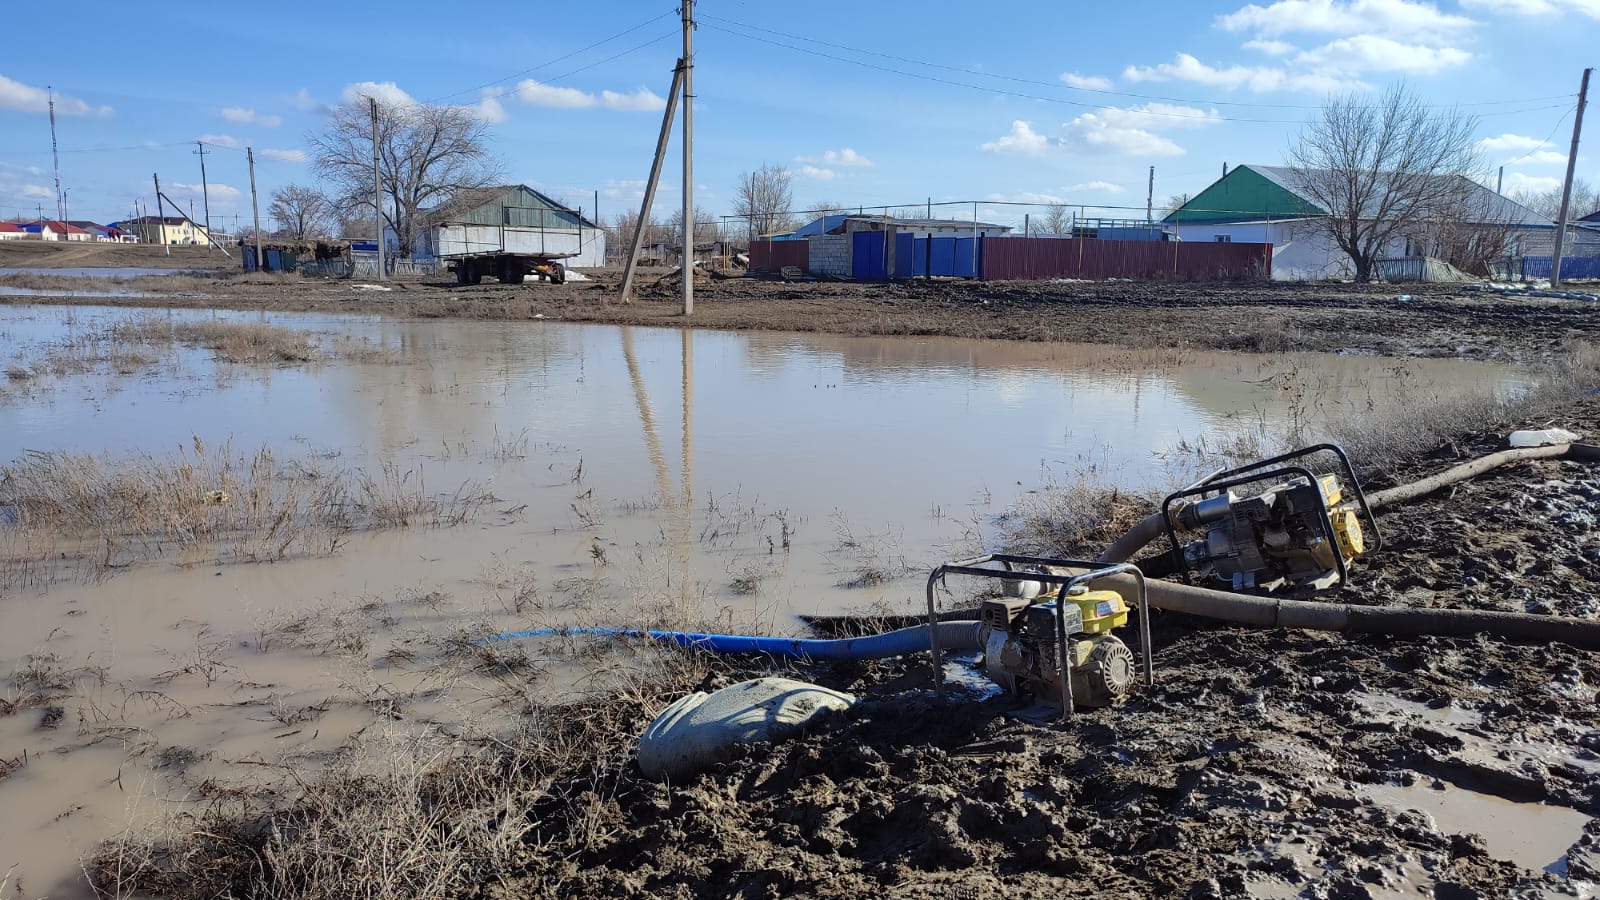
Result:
x=866 y=103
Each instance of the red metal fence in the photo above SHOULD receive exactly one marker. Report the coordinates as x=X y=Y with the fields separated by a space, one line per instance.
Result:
x=1007 y=258
x=772 y=256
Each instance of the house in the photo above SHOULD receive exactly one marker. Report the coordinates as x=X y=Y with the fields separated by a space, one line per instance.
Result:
x=1272 y=204
x=164 y=230
x=100 y=232
x=11 y=231
x=479 y=216
x=47 y=230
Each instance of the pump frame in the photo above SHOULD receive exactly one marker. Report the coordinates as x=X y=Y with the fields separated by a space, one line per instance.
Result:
x=1221 y=481
x=1096 y=572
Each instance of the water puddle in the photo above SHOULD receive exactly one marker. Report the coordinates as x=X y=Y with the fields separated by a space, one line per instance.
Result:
x=1450 y=716
x=86 y=272
x=1531 y=835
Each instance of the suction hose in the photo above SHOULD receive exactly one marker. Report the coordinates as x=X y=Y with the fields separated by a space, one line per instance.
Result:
x=906 y=641
x=1315 y=616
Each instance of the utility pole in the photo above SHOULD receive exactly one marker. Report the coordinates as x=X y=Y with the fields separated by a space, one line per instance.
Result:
x=1150 y=199
x=161 y=217
x=688 y=156
x=205 y=193
x=377 y=190
x=1566 y=190
x=650 y=185
x=250 y=154
x=55 y=154
x=1500 y=181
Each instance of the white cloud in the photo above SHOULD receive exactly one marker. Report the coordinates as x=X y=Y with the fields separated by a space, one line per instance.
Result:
x=1518 y=183
x=535 y=93
x=247 y=116
x=1103 y=187
x=1089 y=82
x=1021 y=139
x=1024 y=197
x=1134 y=130
x=1271 y=48
x=1353 y=17
x=217 y=190
x=846 y=157
x=1510 y=143
x=290 y=156
x=489 y=108
x=1372 y=53
x=1257 y=78
x=305 y=102
x=223 y=140
x=642 y=100
x=1545 y=157
x=632 y=189
x=37 y=192
x=15 y=95
x=385 y=92
x=1590 y=8
x=819 y=174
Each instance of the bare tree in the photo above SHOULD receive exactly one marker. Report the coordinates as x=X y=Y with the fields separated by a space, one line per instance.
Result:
x=705 y=228
x=1585 y=200
x=620 y=233
x=426 y=155
x=763 y=198
x=1380 y=170
x=303 y=211
x=1173 y=204
x=1057 y=219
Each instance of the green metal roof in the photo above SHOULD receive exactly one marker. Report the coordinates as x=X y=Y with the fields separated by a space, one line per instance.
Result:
x=1243 y=195
x=513 y=204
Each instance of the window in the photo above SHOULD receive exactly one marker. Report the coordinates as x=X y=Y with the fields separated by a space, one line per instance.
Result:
x=1224 y=238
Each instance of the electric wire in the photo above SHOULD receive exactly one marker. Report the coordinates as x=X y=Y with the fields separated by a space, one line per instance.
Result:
x=1544 y=144
x=1050 y=84
x=1027 y=96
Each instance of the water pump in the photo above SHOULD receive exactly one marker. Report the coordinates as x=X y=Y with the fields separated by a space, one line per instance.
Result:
x=1296 y=533
x=1049 y=635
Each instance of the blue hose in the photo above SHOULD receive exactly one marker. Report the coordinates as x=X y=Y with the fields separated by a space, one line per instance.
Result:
x=952 y=636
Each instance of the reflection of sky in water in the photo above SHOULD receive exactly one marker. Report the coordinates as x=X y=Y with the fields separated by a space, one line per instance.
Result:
x=810 y=422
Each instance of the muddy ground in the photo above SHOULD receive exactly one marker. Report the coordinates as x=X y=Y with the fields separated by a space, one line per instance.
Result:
x=1263 y=763
x=1435 y=320
x=91 y=255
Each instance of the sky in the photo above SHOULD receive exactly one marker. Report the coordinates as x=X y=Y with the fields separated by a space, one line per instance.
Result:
x=874 y=104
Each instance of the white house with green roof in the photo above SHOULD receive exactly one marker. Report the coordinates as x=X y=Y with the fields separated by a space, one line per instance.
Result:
x=1267 y=204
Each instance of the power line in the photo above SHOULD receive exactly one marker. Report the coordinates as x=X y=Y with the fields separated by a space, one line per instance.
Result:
x=1038 y=83
x=551 y=62
x=1544 y=144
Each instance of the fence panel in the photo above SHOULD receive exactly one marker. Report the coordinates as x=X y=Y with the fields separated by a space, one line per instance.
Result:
x=942 y=257
x=1037 y=258
x=905 y=256
x=966 y=261
x=1571 y=267
x=867 y=256
x=772 y=256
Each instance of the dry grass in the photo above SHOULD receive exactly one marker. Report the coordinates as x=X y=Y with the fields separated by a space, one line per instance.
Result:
x=418 y=817
x=198 y=504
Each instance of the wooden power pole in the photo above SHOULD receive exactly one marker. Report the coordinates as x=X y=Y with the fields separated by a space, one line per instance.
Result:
x=205 y=193
x=643 y=225
x=161 y=212
x=377 y=190
x=1566 y=190
x=255 y=209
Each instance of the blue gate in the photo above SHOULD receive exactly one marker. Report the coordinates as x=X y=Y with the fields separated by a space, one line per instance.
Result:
x=867 y=256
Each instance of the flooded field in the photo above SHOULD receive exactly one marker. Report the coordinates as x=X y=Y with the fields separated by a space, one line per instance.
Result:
x=381 y=492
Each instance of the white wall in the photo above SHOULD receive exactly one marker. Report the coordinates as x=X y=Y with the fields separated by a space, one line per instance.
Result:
x=458 y=240
x=1301 y=250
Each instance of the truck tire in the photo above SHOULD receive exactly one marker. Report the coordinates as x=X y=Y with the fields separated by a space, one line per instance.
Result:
x=511 y=271
x=465 y=275
x=558 y=274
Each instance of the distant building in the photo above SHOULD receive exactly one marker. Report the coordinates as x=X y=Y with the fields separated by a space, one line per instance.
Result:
x=482 y=218
x=1272 y=205
x=168 y=230
x=102 y=232
x=56 y=231
x=11 y=231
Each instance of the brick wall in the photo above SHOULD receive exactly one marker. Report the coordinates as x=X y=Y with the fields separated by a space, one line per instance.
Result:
x=830 y=254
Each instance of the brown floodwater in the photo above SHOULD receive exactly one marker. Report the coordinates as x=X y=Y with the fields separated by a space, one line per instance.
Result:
x=641 y=476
